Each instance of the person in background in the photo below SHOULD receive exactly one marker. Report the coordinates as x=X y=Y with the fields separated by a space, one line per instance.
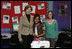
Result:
x=38 y=28
x=25 y=33
x=51 y=29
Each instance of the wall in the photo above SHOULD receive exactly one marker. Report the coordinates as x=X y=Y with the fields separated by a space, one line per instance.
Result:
x=50 y=5
x=6 y=27
x=62 y=21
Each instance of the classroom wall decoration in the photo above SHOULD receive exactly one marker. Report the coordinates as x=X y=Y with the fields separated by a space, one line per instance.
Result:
x=63 y=21
x=6 y=18
x=16 y=8
x=62 y=10
x=15 y=20
x=6 y=5
x=41 y=6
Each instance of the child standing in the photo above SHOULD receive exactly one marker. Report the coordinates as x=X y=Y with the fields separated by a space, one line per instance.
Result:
x=38 y=28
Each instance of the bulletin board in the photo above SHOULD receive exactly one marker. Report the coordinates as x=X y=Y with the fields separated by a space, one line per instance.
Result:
x=11 y=11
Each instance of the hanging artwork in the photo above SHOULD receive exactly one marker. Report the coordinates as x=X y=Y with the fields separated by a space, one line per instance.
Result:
x=41 y=6
x=24 y=5
x=34 y=7
x=42 y=17
x=6 y=18
x=15 y=20
x=17 y=9
x=6 y=5
x=62 y=12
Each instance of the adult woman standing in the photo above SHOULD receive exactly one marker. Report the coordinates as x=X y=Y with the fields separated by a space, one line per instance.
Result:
x=25 y=34
x=51 y=28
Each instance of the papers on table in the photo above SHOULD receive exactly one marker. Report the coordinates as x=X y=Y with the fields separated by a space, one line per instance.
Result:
x=38 y=44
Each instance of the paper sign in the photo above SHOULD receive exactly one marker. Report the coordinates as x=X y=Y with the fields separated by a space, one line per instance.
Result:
x=6 y=5
x=41 y=6
x=6 y=18
x=42 y=17
x=24 y=5
x=17 y=9
x=33 y=7
x=23 y=13
x=15 y=20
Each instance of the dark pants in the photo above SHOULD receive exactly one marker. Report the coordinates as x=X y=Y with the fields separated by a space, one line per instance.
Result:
x=27 y=39
x=52 y=42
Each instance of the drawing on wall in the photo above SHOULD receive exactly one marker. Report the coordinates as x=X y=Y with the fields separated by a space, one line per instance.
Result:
x=41 y=6
x=15 y=20
x=17 y=9
x=33 y=7
x=6 y=18
x=42 y=17
x=24 y=5
x=6 y=5
x=62 y=10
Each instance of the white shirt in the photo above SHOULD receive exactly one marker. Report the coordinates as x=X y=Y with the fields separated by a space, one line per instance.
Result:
x=36 y=31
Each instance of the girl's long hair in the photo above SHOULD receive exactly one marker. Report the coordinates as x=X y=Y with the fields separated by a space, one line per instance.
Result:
x=36 y=15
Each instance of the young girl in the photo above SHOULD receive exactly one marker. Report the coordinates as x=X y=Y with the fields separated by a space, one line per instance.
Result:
x=38 y=28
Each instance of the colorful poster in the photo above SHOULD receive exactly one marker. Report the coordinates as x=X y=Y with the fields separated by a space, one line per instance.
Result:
x=24 y=5
x=33 y=7
x=41 y=6
x=15 y=27
x=15 y=20
x=6 y=18
x=62 y=12
x=23 y=13
x=17 y=9
x=42 y=17
x=6 y=5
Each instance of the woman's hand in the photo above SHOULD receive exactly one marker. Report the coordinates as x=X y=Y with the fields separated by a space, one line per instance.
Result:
x=21 y=40
x=33 y=34
x=37 y=35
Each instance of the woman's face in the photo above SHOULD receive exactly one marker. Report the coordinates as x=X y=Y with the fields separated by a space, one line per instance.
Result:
x=50 y=15
x=28 y=11
x=36 y=19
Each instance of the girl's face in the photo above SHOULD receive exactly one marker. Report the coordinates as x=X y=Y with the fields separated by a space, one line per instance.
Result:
x=36 y=19
x=28 y=11
x=50 y=15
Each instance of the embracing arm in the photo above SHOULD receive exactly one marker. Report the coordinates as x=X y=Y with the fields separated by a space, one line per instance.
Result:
x=20 y=28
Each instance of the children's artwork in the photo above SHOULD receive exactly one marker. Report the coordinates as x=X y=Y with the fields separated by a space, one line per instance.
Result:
x=33 y=7
x=23 y=13
x=17 y=9
x=15 y=27
x=62 y=10
x=24 y=5
x=6 y=5
x=15 y=20
x=41 y=6
x=42 y=17
x=6 y=18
